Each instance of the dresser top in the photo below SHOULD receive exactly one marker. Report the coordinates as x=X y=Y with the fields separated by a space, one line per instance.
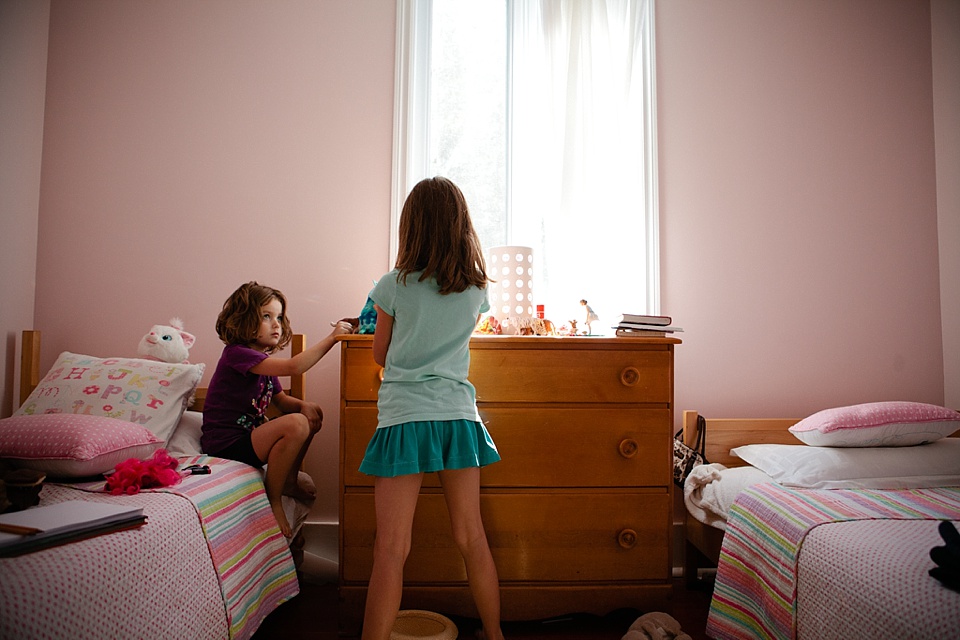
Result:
x=545 y=342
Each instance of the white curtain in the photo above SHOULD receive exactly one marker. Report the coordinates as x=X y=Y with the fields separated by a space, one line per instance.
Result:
x=581 y=177
x=583 y=151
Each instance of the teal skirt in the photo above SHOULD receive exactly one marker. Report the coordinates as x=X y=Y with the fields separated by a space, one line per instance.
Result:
x=424 y=447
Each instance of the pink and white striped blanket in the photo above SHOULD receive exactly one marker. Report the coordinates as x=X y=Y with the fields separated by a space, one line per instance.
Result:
x=252 y=558
x=755 y=594
x=209 y=563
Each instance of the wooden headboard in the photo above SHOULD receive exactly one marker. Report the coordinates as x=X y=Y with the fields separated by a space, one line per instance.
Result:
x=30 y=368
x=724 y=434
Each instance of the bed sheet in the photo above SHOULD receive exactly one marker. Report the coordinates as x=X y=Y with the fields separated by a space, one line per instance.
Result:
x=154 y=580
x=711 y=489
x=756 y=586
x=840 y=562
x=209 y=563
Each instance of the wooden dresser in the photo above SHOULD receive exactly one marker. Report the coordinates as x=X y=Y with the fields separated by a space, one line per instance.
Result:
x=578 y=512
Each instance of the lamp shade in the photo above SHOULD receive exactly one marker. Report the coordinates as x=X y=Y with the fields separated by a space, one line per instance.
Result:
x=511 y=295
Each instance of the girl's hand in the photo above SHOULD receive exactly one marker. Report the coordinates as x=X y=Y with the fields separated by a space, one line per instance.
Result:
x=345 y=325
x=313 y=414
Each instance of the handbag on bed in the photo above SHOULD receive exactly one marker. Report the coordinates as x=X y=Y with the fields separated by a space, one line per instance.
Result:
x=686 y=458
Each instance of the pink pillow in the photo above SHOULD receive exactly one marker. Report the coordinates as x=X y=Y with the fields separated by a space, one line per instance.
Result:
x=877 y=424
x=73 y=445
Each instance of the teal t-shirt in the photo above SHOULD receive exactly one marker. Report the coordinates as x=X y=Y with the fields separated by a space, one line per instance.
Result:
x=425 y=374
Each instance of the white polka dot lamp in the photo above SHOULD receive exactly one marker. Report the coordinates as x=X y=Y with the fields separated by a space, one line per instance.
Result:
x=511 y=296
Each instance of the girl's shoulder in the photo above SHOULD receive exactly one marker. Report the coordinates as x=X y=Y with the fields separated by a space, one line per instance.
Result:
x=241 y=353
x=239 y=348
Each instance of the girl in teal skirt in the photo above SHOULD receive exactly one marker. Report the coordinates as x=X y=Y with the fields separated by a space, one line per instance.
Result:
x=427 y=308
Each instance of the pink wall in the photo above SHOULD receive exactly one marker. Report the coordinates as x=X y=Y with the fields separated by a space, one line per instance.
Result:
x=945 y=21
x=798 y=203
x=23 y=70
x=188 y=147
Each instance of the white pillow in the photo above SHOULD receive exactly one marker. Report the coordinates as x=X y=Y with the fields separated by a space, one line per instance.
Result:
x=185 y=440
x=877 y=424
x=145 y=392
x=928 y=465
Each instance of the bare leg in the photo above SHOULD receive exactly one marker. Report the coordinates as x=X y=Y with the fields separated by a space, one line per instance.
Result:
x=302 y=488
x=296 y=486
x=395 y=500
x=461 y=490
x=279 y=442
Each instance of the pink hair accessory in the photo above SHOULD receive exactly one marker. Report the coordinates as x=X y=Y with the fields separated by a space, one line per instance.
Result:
x=134 y=474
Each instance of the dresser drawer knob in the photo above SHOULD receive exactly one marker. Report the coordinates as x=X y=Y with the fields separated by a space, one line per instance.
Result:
x=627 y=539
x=380 y=374
x=628 y=447
x=630 y=376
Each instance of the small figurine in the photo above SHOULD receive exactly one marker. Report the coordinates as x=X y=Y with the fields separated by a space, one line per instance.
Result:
x=543 y=327
x=488 y=326
x=525 y=327
x=591 y=316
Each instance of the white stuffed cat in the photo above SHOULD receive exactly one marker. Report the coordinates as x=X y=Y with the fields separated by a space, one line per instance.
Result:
x=167 y=343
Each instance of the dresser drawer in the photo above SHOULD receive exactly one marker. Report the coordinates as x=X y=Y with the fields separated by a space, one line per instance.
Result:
x=547 y=375
x=549 y=447
x=360 y=375
x=572 y=375
x=535 y=536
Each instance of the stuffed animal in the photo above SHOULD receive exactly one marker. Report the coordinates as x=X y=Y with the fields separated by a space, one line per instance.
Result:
x=166 y=343
x=947 y=557
x=368 y=317
x=655 y=625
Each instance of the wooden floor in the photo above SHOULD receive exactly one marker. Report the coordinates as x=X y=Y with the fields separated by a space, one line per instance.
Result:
x=312 y=615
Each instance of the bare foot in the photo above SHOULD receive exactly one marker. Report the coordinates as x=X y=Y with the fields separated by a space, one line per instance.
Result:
x=281 y=519
x=303 y=489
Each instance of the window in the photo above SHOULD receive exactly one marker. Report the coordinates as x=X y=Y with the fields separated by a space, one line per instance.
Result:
x=543 y=112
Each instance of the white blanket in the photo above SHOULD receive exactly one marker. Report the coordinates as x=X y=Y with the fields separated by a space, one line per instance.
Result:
x=710 y=489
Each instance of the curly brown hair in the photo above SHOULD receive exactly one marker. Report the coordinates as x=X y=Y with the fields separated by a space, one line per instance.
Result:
x=437 y=237
x=239 y=321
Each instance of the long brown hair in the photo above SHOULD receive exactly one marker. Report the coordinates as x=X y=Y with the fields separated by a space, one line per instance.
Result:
x=437 y=237
x=239 y=321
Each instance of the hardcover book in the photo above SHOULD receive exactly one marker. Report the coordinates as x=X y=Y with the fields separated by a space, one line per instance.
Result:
x=50 y=525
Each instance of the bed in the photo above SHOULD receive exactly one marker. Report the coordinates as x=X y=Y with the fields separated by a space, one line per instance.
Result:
x=209 y=562
x=845 y=555
x=705 y=517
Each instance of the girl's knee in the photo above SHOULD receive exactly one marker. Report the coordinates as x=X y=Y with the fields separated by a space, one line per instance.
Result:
x=297 y=426
x=468 y=538
x=394 y=550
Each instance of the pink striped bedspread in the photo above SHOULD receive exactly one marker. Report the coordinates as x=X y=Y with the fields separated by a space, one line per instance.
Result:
x=755 y=594
x=250 y=554
x=209 y=563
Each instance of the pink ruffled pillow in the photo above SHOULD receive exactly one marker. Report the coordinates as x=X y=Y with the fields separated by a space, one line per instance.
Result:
x=71 y=445
x=877 y=424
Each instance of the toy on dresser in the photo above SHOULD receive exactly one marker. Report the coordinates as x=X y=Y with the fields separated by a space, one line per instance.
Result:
x=167 y=343
x=367 y=322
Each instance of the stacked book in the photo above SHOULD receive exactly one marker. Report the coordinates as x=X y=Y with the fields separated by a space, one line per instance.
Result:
x=55 y=524
x=631 y=325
